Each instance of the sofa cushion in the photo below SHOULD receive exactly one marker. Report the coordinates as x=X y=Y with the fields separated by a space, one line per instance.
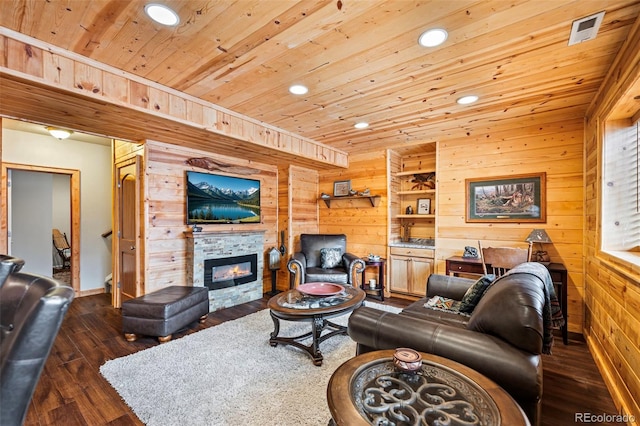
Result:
x=511 y=309
x=475 y=293
x=330 y=257
x=338 y=276
x=418 y=310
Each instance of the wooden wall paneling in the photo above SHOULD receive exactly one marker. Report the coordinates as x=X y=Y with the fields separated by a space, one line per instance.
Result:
x=165 y=200
x=24 y=58
x=284 y=225
x=559 y=155
x=124 y=150
x=364 y=225
x=612 y=287
x=394 y=165
x=303 y=204
x=132 y=96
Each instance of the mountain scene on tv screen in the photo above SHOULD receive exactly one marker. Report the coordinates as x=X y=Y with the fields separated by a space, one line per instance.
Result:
x=237 y=202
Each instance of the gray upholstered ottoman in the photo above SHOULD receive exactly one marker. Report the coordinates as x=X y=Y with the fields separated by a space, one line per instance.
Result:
x=164 y=312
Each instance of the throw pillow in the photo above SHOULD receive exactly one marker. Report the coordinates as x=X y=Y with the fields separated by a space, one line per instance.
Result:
x=330 y=257
x=475 y=292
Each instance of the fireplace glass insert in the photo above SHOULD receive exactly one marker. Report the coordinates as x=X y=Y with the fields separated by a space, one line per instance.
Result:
x=230 y=271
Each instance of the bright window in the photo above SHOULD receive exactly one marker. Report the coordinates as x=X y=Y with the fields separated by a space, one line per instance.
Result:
x=620 y=186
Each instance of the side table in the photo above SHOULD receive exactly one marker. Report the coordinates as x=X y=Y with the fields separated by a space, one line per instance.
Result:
x=464 y=265
x=368 y=390
x=469 y=265
x=378 y=291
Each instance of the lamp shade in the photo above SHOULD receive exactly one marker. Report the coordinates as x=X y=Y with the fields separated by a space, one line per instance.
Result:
x=538 y=236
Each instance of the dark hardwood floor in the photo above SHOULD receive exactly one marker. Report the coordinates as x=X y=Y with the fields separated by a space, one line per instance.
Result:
x=71 y=390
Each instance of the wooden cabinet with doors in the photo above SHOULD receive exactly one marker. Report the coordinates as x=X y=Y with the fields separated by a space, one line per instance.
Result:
x=409 y=269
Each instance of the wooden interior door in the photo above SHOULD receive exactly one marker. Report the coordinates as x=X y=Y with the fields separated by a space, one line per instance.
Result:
x=128 y=276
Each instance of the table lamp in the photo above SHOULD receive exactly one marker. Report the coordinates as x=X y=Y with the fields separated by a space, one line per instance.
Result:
x=540 y=236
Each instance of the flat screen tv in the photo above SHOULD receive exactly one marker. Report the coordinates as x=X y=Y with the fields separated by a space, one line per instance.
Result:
x=213 y=199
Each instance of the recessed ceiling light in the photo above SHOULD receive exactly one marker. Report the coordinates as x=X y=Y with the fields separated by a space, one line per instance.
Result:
x=432 y=38
x=162 y=14
x=298 y=89
x=466 y=100
x=361 y=125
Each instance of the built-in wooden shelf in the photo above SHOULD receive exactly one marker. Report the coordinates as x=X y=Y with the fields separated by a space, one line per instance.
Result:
x=416 y=216
x=373 y=199
x=417 y=192
x=414 y=172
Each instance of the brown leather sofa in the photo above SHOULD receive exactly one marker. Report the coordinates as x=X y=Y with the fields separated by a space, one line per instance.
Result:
x=502 y=338
x=32 y=308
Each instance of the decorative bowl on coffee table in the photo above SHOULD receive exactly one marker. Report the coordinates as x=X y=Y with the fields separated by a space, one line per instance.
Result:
x=320 y=289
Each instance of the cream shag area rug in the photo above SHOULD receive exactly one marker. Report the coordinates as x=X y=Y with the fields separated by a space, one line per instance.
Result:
x=230 y=375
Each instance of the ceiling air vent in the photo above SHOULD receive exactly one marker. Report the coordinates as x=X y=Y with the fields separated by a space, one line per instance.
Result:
x=586 y=28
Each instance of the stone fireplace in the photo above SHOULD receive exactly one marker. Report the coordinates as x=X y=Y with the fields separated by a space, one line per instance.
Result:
x=230 y=264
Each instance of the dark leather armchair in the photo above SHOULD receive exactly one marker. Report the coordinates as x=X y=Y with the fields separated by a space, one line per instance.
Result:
x=306 y=265
x=31 y=311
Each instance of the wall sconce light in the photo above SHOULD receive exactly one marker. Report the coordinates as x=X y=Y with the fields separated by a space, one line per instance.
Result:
x=540 y=236
x=59 y=133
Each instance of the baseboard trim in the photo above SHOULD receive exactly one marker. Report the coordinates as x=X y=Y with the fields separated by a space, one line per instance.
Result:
x=91 y=292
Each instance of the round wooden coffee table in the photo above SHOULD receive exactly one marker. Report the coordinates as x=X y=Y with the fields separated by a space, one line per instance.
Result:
x=293 y=305
x=368 y=388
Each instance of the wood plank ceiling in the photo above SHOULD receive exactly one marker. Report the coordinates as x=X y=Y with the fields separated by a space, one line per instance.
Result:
x=359 y=59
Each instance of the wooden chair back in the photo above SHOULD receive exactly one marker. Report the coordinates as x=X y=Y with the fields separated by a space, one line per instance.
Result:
x=60 y=240
x=498 y=260
x=61 y=244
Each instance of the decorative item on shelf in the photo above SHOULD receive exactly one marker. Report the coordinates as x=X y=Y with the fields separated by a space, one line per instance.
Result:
x=365 y=193
x=409 y=210
x=540 y=236
x=274 y=266
x=352 y=192
x=374 y=257
x=372 y=283
x=341 y=188
x=423 y=181
x=407 y=360
x=424 y=205
x=470 y=252
x=325 y=195
x=283 y=248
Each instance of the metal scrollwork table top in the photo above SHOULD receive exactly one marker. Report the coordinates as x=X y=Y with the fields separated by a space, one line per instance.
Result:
x=442 y=392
